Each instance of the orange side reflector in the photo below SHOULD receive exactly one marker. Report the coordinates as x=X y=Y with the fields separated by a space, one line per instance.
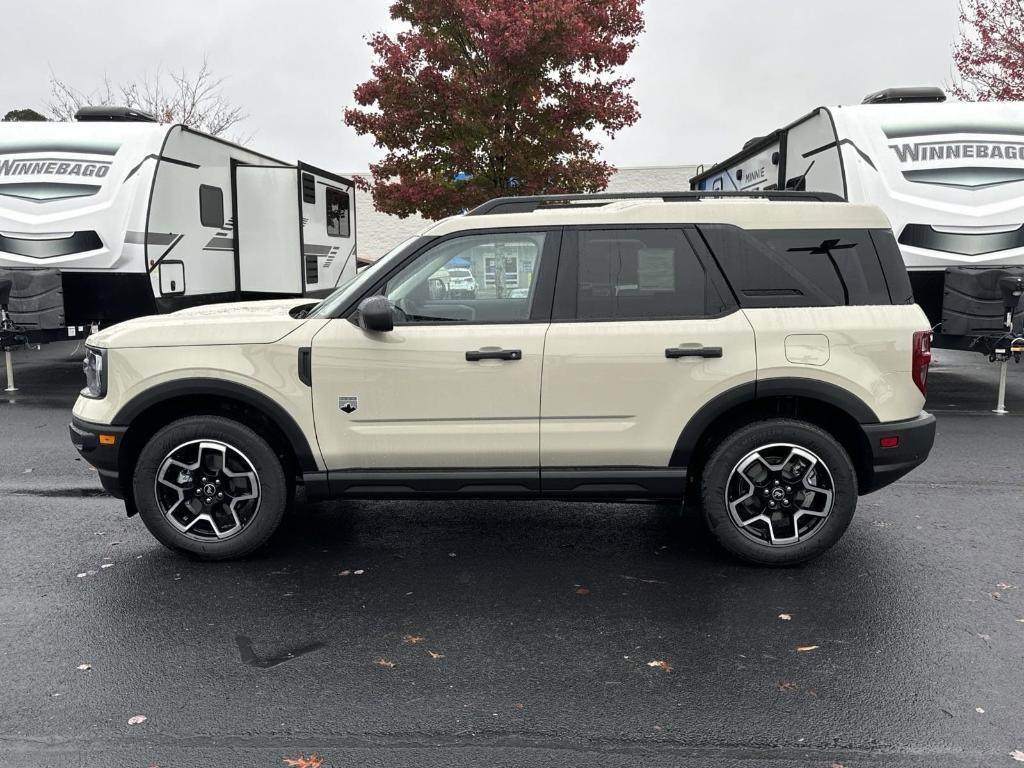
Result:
x=108 y=439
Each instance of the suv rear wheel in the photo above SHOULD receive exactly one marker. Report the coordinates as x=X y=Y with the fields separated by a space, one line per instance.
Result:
x=778 y=492
x=211 y=487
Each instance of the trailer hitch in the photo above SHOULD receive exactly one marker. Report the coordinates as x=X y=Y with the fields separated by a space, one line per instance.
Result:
x=1009 y=346
x=11 y=336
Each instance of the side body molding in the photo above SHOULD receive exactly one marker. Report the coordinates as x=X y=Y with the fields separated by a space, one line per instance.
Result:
x=227 y=389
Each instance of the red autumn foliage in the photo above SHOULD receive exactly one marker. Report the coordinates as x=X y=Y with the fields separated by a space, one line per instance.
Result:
x=989 y=55
x=507 y=92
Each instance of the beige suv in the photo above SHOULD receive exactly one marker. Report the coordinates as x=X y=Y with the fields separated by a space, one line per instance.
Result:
x=760 y=356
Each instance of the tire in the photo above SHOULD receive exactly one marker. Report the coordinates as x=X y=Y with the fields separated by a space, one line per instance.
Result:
x=251 y=466
x=755 y=467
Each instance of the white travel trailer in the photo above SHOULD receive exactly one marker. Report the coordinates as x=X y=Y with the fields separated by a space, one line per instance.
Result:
x=950 y=176
x=116 y=216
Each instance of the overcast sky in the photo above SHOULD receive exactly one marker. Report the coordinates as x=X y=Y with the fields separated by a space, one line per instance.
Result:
x=709 y=73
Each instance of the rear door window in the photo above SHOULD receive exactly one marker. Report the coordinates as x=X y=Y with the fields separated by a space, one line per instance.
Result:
x=634 y=274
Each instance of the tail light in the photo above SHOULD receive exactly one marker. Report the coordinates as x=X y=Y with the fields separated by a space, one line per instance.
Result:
x=922 y=359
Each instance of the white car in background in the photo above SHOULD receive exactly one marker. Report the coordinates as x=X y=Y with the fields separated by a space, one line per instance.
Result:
x=461 y=283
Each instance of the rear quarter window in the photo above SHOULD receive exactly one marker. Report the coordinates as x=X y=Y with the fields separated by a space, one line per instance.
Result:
x=800 y=267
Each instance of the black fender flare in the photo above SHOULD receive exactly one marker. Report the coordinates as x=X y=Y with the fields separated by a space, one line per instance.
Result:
x=749 y=392
x=230 y=390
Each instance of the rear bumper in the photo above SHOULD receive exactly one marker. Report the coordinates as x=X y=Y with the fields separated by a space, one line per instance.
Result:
x=85 y=436
x=914 y=440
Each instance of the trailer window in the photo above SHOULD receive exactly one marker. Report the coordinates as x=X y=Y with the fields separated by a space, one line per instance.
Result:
x=337 y=213
x=211 y=206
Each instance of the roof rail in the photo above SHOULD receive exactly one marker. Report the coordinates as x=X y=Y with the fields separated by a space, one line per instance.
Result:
x=530 y=203
x=917 y=95
x=105 y=113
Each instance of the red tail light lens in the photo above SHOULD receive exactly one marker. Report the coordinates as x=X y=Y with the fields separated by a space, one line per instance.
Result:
x=922 y=359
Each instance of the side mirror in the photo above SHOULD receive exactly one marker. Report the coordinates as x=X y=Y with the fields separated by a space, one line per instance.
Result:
x=376 y=315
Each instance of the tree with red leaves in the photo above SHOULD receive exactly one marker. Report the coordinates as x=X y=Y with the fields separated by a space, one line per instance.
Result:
x=989 y=55
x=483 y=98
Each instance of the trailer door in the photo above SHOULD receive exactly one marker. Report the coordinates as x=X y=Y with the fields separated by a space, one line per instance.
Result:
x=267 y=229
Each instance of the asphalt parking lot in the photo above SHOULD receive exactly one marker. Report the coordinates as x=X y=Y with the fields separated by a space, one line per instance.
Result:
x=471 y=633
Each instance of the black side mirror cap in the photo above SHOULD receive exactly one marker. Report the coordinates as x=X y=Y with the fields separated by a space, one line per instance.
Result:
x=376 y=315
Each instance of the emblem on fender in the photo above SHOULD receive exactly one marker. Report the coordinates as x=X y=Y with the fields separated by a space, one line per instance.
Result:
x=348 y=404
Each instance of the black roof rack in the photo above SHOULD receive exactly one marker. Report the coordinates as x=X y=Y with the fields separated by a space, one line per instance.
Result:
x=105 y=113
x=916 y=95
x=528 y=204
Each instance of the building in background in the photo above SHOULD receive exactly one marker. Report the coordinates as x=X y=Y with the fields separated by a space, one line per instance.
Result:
x=379 y=232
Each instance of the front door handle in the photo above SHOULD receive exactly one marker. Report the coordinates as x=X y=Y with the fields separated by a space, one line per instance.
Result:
x=673 y=352
x=494 y=354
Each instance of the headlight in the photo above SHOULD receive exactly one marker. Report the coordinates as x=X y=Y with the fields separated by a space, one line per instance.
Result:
x=95 y=367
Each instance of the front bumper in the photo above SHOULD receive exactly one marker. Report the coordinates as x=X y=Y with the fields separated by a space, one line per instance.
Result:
x=914 y=440
x=102 y=454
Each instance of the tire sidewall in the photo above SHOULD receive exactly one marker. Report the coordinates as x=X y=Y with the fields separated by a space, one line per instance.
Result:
x=273 y=485
x=732 y=449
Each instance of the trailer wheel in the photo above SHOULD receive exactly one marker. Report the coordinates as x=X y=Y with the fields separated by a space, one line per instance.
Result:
x=211 y=487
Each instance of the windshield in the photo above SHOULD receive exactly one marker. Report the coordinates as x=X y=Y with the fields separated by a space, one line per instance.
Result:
x=333 y=303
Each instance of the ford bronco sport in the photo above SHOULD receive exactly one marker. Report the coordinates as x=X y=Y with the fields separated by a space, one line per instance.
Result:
x=760 y=356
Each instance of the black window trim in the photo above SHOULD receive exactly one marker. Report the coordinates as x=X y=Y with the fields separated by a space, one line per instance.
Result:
x=328 y=189
x=565 y=294
x=543 y=294
x=202 y=218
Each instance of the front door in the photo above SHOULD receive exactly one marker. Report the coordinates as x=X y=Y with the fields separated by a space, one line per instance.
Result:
x=641 y=338
x=456 y=384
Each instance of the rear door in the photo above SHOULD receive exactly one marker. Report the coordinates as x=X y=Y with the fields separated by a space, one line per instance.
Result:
x=268 y=230
x=642 y=336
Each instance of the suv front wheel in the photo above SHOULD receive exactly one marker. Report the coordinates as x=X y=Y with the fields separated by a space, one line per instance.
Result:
x=778 y=492
x=211 y=487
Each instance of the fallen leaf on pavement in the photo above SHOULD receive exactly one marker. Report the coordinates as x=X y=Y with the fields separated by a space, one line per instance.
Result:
x=435 y=655
x=382 y=662
x=313 y=761
x=413 y=639
x=805 y=648
x=582 y=591
x=664 y=666
x=838 y=765
x=787 y=686
x=1017 y=755
x=785 y=617
x=979 y=710
x=1004 y=586
x=85 y=667
x=360 y=572
x=136 y=719
x=344 y=573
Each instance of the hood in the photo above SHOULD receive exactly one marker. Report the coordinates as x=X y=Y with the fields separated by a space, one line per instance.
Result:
x=244 y=322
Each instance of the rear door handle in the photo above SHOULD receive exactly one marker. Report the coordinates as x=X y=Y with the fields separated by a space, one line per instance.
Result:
x=494 y=354
x=673 y=352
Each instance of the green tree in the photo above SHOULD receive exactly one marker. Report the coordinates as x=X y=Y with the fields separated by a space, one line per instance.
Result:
x=23 y=116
